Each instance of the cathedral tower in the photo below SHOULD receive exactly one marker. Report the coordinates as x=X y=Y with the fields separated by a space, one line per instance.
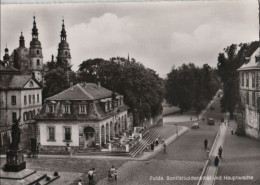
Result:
x=63 y=57
x=6 y=57
x=35 y=55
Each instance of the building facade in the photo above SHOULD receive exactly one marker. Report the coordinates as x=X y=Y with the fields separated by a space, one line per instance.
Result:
x=84 y=116
x=20 y=98
x=248 y=112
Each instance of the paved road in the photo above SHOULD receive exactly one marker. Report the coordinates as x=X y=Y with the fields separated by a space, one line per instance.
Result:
x=184 y=157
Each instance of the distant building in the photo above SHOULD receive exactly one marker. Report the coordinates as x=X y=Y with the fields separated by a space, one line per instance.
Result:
x=20 y=97
x=29 y=61
x=248 y=113
x=83 y=116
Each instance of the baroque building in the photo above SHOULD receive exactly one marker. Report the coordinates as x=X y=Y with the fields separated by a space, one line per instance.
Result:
x=84 y=116
x=29 y=61
x=20 y=98
x=248 y=113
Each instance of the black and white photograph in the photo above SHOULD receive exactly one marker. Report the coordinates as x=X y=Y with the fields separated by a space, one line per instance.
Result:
x=130 y=92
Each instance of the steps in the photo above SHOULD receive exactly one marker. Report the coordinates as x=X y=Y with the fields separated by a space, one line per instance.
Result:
x=107 y=153
x=142 y=145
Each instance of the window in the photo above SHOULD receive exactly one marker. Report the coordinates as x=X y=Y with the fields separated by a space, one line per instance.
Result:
x=38 y=62
x=106 y=107
x=66 y=53
x=31 y=63
x=110 y=105
x=38 y=52
x=33 y=98
x=253 y=98
x=67 y=133
x=247 y=97
x=253 y=79
x=51 y=131
x=13 y=99
x=247 y=80
x=31 y=83
x=14 y=116
x=242 y=74
x=82 y=109
x=30 y=100
x=25 y=100
x=51 y=108
x=67 y=109
x=38 y=98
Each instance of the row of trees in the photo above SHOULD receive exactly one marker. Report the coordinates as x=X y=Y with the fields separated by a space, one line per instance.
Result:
x=229 y=61
x=191 y=87
x=142 y=88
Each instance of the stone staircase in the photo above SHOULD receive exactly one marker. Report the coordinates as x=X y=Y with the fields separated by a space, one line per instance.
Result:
x=142 y=145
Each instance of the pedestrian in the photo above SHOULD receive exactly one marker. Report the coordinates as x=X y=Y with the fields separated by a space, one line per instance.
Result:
x=232 y=131
x=191 y=118
x=113 y=171
x=203 y=119
x=79 y=182
x=216 y=161
x=152 y=146
x=205 y=144
x=162 y=141
x=69 y=150
x=115 y=175
x=156 y=141
x=164 y=148
x=109 y=176
x=220 y=152
x=208 y=153
x=91 y=176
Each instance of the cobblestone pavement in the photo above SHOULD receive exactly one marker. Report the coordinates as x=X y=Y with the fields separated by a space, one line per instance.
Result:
x=74 y=165
x=241 y=157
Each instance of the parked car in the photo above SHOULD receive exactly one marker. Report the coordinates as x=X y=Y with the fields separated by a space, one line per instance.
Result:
x=211 y=121
x=195 y=126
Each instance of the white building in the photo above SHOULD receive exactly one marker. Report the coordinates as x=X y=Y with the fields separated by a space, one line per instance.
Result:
x=83 y=116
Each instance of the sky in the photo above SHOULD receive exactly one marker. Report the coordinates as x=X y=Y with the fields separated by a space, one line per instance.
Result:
x=160 y=35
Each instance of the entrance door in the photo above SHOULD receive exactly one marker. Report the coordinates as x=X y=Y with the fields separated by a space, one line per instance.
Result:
x=89 y=137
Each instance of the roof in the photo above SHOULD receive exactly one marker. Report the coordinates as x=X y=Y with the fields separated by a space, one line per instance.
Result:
x=15 y=81
x=252 y=64
x=83 y=91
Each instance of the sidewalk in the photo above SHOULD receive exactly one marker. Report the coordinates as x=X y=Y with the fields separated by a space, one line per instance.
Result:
x=212 y=170
x=241 y=158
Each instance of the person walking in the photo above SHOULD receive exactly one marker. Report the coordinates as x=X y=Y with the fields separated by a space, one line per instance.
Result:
x=91 y=176
x=208 y=153
x=164 y=148
x=205 y=144
x=220 y=152
x=216 y=161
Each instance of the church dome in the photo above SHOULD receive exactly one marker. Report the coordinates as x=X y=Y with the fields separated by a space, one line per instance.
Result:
x=21 y=53
x=63 y=45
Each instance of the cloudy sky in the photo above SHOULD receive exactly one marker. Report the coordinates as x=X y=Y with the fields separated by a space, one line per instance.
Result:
x=157 y=34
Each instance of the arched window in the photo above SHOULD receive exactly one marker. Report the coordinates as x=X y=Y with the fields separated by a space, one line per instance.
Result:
x=66 y=53
x=38 y=62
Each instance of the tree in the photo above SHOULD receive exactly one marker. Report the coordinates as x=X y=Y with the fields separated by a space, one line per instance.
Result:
x=142 y=88
x=190 y=87
x=229 y=61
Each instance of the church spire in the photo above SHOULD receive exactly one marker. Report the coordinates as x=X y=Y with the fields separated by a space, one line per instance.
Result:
x=21 y=41
x=6 y=57
x=34 y=29
x=63 y=31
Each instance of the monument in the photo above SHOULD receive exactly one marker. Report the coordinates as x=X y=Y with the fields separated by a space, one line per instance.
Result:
x=14 y=157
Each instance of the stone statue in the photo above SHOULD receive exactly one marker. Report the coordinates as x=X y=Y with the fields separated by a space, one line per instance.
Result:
x=16 y=132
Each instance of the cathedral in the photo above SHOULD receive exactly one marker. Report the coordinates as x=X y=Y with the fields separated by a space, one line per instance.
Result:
x=30 y=61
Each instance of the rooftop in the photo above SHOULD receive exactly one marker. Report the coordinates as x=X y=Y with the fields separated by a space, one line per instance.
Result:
x=252 y=64
x=83 y=91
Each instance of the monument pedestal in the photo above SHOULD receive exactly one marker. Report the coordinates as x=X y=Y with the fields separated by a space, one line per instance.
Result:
x=14 y=161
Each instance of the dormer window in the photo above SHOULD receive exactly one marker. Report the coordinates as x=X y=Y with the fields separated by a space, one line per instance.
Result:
x=106 y=106
x=110 y=105
x=82 y=109
x=51 y=108
x=66 y=109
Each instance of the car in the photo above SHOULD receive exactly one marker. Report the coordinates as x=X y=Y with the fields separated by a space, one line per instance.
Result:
x=211 y=121
x=195 y=125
